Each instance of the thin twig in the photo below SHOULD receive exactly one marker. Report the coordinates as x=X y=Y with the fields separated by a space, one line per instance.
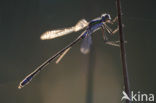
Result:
x=123 y=52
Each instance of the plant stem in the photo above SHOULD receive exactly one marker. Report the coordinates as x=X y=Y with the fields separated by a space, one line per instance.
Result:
x=123 y=51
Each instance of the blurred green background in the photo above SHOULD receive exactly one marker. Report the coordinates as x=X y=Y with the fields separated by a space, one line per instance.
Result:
x=21 y=51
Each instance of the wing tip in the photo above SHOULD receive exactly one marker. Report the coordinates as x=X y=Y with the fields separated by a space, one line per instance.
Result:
x=84 y=51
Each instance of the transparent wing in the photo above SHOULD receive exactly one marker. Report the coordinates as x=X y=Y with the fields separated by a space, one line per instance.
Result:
x=61 y=32
x=85 y=46
x=56 y=33
x=80 y=25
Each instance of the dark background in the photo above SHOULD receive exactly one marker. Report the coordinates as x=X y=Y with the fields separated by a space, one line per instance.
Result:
x=21 y=51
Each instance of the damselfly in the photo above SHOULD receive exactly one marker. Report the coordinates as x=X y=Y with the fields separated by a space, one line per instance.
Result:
x=91 y=27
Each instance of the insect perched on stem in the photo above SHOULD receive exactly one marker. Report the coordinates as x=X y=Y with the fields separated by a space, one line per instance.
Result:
x=91 y=27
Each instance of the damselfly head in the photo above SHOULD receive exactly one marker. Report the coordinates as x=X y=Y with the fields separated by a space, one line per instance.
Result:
x=105 y=17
